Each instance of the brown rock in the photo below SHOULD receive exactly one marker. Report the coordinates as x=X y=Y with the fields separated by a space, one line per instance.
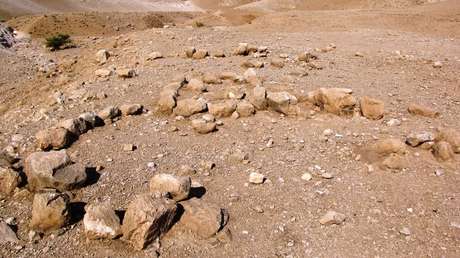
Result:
x=131 y=109
x=200 y=54
x=252 y=64
x=54 y=138
x=416 y=139
x=389 y=146
x=102 y=56
x=202 y=219
x=222 y=109
x=250 y=76
x=7 y=234
x=337 y=101
x=451 y=136
x=147 y=218
x=50 y=211
x=188 y=107
x=211 y=79
x=9 y=180
x=372 y=108
x=395 y=162
x=306 y=57
x=53 y=169
x=202 y=126
x=189 y=52
x=258 y=98
x=177 y=187
x=109 y=112
x=166 y=103
x=282 y=102
x=100 y=221
x=91 y=119
x=332 y=217
x=245 y=108
x=420 y=110
x=76 y=126
x=443 y=151
x=196 y=85
x=277 y=62
x=228 y=76
x=242 y=49
x=126 y=73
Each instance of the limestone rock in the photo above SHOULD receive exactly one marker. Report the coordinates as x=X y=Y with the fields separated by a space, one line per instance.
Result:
x=53 y=169
x=200 y=54
x=452 y=136
x=154 y=56
x=420 y=110
x=188 y=107
x=196 y=85
x=102 y=56
x=109 y=112
x=203 y=219
x=332 y=217
x=372 y=108
x=7 y=234
x=222 y=109
x=389 y=146
x=100 y=221
x=337 y=101
x=166 y=103
x=126 y=73
x=177 y=187
x=258 y=98
x=416 y=139
x=443 y=151
x=9 y=180
x=131 y=109
x=281 y=102
x=203 y=126
x=245 y=108
x=76 y=126
x=256 y=178
x=50 y=211
x=53 y=138
x=147 y=217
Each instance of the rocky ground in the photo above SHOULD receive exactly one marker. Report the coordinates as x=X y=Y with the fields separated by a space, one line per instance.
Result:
x=317 y=138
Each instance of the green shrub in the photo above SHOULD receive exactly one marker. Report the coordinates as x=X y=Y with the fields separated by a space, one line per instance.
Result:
x=58 y=41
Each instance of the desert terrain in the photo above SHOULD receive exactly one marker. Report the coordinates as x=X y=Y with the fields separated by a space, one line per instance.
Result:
x=230 y=128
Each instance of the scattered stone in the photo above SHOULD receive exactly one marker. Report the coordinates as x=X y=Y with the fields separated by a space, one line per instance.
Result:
x=394 y=162
x=238 y=156
x=306 y=57
x=196 y=85
x=337 y=101
x=109 y=113
x=439 y=172
x=211 y=79
x=420 y=110
x=328 y=132
x=128 y=147
x=252 y=64
x=219 y=53
x=102 y=56
x=189 y=107
x=50 y=211
x=405 y=231
x=282 y=102
x=256 y=178
x=7 y=234
x=91 y=119
x=307 y=177
x=53 y=169
x=53 y=138
x=9 y=180
x=167 y=102
x=154 y=56
x=327 y=175
x=242 y=49
x=200 y=54
x=203 y=219
x=147 y=218
x=277 y=62
x=372 y=108
x=416 y=139
x=250 y=76
x=228 y=76
x=452 y=136
x=186 y=170
x=258 y=98
x=76 y=126
x=202 y=126
x=332 y=217
x=394 y=122
x=103 y=73
x=101 y=222
x=209 y=118
x=131 y=109
x=222 y=109
x=443 y=151
x=177 y=187
x=245 y=108
x=126 y=73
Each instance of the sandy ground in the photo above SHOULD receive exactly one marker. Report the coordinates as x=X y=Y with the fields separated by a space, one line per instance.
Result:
x=398 y=48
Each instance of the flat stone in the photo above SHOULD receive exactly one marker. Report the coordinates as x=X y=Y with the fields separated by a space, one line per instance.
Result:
x=54 y=138
x=189 y=107
x=131 y=109
x=332 y=217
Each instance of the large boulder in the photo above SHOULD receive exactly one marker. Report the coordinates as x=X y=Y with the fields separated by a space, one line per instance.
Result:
x=282 y=102
x=372 y=108
x=178 y=187
x=147 y=218
x=100 y=221
x=9 y=180
x=50 y=211
x=203 y=219
x=337 y=101
x=189 y=107
x=222 y=109
x=54 y=138
x=53 y=169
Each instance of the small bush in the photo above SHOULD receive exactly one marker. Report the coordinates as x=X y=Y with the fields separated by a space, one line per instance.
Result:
x=58 y=41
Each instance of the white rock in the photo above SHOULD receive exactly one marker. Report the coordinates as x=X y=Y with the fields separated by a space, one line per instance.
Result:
x=256 y=178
